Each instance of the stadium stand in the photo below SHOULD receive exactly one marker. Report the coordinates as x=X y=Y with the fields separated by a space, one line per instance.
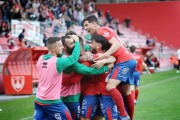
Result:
x=23 y=65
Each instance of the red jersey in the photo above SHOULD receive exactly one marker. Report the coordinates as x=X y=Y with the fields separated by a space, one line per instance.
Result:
x=121 y=54
x=101 y=82
x=89 y=84
x=101 y=86
x=139 y=61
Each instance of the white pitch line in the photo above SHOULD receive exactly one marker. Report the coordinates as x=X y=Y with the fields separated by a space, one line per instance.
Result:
x=139 y=87
x=27 y=118
x=159 y=82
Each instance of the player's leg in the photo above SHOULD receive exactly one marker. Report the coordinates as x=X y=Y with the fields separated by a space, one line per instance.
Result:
x=39 y=114
x=98 y=115
x=108 y=107
x=89 y=106
x=133 y=86
x=129 y=66
x=137 y=83
x=57 y=111
x=74 y=108
x=113 y=82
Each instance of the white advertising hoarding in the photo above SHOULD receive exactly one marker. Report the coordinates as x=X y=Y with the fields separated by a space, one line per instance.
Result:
x=32 y=30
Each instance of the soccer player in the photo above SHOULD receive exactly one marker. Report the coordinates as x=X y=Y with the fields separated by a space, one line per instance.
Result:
x=136 y=74
x=123 y=69
x=48 y=104
x=71 y=92
x=93 y=88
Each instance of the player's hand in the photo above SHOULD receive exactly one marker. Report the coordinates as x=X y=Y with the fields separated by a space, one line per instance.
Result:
x=89 y=56
x=98 y=63
x=74 y=37
x=149 y=73
x=102 y=56
x=110 y=66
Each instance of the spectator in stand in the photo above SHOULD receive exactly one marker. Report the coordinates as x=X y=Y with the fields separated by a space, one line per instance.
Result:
x=148 y=41
x=3 y=29
x=81 y=16
x=22 y=43
x=42 y=17
x=45 y=40
x=21 y=35
x=56 y=30
x=178 y=54
x=23 y=3
x=107 y=15
x=127 y=21
x=100 y=13
x=62 y=22
x=17 y=11
x=28 y=4
x=4 y=11
x=111 y=25
x=11 y=43
x=9 y=11
x=36 y=4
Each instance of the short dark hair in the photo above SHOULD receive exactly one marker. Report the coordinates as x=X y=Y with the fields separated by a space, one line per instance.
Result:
x=132 y=48
x=70 y=33
x=63 y=39
x=23 y=30
x=51 y=41
x=90 y=19
x=102 y=40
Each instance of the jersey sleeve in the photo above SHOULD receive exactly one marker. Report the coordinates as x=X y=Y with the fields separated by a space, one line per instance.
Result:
x=72 y=80
x=64 y=62
x=83 y=69
x=107 y=33
x=75 y=78
x=141 y=60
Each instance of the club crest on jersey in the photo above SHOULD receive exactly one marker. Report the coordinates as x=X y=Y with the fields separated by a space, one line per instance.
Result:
x=106 y=34
x=17 y=83
x=58 y=116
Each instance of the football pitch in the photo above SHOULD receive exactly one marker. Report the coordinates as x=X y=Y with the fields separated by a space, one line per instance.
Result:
x=159 y=99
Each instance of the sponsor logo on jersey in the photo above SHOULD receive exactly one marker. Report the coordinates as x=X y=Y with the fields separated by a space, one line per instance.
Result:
x=58 y=116
x=125 y=70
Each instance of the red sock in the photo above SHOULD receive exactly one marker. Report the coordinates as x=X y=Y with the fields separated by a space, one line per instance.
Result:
x=130 y=105
x=118 y=101
x=136 y=94
x=132 y=92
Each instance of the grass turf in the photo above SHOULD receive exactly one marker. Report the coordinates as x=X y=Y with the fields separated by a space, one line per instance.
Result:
x=156 y=102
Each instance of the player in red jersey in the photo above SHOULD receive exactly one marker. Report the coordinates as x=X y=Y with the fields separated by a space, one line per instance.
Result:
x=123 y=69
x=136 y=74
x=89 y=88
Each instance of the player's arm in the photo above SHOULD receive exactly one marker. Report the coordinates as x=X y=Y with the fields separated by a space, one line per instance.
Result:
x=124 y=44
x=72 y=80
x=75 y=78
x=145 y=66
x=63 y=63
x=83 y=69
x=115 y=45
x=100 y=63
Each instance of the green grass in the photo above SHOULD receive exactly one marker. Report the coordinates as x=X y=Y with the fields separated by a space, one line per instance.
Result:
x=156 y=102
